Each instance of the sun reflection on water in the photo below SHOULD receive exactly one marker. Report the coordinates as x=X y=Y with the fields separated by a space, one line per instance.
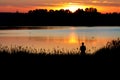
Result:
x=73 y=38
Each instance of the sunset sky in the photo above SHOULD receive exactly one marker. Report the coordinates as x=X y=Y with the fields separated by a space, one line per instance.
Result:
x=26 y=5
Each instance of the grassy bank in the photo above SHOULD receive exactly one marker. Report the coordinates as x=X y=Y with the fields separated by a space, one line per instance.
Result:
x=24 y=55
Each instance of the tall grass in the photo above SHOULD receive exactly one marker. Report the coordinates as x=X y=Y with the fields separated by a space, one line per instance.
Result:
x=28 y=50
x=27 y=55
x=111 y=49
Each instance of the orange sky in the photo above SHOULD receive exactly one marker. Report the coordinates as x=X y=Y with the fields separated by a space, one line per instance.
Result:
x=26 y=5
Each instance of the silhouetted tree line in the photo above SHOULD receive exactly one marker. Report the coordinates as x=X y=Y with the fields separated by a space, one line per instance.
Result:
x=44 y=17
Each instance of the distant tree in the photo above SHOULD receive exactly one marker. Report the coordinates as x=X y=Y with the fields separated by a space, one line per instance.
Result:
x=38 y=11
x=78 y=11
x=115 y=13
x=30 y=11
x=86 y=10
x=62 y=11
x=67 y=11
x=91 y=10
x=51 y=11
x=17 y=11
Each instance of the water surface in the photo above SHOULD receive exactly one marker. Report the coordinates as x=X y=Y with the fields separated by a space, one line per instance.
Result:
x=57 y=37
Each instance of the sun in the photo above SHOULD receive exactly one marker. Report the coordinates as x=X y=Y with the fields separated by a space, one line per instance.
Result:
x=73 y=7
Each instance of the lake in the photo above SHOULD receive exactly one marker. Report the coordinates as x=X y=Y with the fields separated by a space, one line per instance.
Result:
x=65 y=37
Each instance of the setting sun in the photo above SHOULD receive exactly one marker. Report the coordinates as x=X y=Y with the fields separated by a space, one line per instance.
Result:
x=73 y=7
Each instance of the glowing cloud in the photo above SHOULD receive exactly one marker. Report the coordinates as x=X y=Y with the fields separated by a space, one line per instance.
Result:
x=25 y=5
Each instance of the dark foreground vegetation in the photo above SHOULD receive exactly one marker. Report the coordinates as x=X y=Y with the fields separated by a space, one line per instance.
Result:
x=108 y=55
x=43 y=17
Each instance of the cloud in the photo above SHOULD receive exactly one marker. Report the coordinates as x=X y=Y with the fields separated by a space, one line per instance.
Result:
x=28 y=4
x=105 y=3
x=54 y=3
x=111 y=3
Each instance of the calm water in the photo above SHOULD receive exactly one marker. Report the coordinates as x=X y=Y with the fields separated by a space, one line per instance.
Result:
x=68 y=38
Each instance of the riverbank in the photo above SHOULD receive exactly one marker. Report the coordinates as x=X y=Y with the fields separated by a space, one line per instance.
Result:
x=108 y=55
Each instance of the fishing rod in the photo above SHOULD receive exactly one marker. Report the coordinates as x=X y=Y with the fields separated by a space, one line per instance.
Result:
x=78 y=40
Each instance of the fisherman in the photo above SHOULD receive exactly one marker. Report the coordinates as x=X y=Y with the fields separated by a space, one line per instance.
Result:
x=82 y=48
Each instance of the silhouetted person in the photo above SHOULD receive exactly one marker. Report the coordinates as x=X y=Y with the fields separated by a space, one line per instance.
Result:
x=82 y=49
